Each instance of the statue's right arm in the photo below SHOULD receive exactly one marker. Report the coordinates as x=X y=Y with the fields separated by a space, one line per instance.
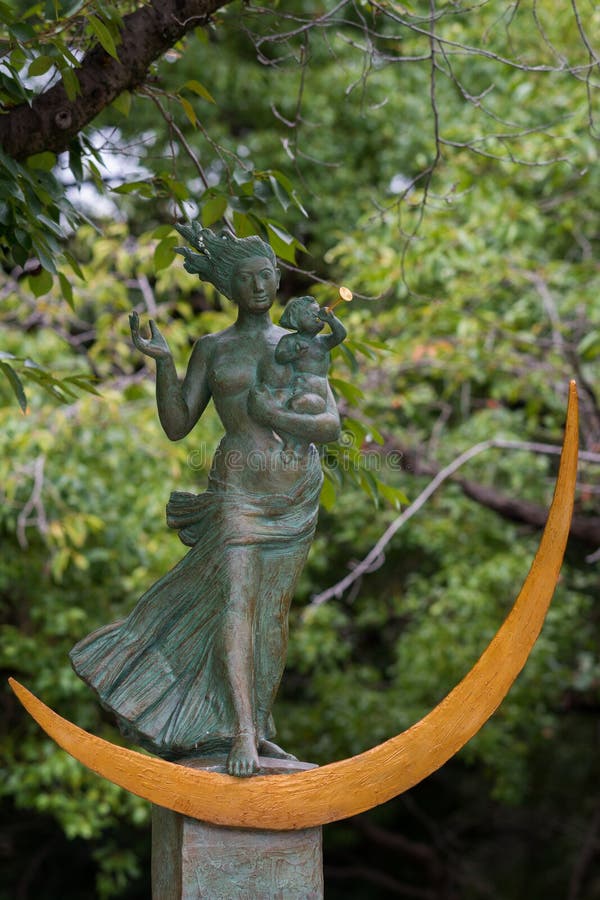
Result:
x=180 y=404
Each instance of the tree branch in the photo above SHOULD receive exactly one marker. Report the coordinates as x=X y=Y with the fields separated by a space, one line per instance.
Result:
x=585 y=528
x=52 y=121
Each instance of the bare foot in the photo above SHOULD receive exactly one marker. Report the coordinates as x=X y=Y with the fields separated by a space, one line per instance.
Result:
x=273 y=751
x=243 y=757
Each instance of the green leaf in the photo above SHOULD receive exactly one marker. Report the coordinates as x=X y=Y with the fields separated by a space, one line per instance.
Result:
x=110 y=13
x=369 y=484
x=285 y=236
x=10 y=164
x=243 y=224
x=177 y=188
x=589 y=346
x=96 y=176
x=164 y=253
x=349 y=391
x=67 y=56
x=43 y=253
x=375 y=434
x=288 y=188
x=349 y=357
x=22 y=31
x=213 y=210
x=366 y=347
x=354 y=430
x=19 y=57
x=75 y=163
x=282 y=196
x=327 y=498
x=84 y=382
x=31 y=364
x=142 y=188
x=69 y=9
x=162 y=231
x=283 y=243
x=377 y=345
x=45 y=162
x=199 y=89
x=240 y=204
x=393 y=495
x=122 y=103
x=7 y=14
x=16 y=385
x=104 y=36
x=20 y=254
x=67 y=290
x=40 y=66
x=40 y=284
x=71 y=83
x=53 y=226
x=242 y=175
x=75 y=267
x=23 y=238
x=189 y=110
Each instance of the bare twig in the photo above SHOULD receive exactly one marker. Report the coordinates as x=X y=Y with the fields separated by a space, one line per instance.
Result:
x=467 y=50
x=174 y=127
x=34 y=502
x=147 y=293
x=541 y=286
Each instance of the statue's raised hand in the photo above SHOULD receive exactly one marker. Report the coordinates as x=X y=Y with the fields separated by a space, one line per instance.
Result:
x=155 y=346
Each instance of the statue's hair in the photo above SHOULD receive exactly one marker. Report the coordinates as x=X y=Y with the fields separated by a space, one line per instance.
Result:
x=219 y=254
x=293 y=307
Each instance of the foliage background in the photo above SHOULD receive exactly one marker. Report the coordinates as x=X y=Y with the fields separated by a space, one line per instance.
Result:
x=456 y=193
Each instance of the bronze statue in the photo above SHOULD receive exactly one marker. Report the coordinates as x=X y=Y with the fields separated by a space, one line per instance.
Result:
x=195 y=668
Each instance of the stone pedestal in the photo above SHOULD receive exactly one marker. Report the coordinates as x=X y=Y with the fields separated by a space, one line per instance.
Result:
x=193 y=860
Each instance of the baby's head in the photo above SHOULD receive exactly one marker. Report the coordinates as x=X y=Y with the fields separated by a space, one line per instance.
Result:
x=301 y=314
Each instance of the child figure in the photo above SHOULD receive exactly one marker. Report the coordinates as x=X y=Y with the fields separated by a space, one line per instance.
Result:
x=308 y=353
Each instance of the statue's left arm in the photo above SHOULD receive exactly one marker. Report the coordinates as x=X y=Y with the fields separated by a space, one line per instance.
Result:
x=319 y=428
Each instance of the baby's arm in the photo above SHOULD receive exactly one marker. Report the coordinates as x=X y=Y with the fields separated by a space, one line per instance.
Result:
x=338 y=332
x=290 y=348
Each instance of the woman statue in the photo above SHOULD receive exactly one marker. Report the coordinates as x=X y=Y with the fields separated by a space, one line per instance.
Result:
x=195 y=668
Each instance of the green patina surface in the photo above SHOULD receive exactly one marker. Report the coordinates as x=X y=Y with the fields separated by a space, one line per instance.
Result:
x=193 y=860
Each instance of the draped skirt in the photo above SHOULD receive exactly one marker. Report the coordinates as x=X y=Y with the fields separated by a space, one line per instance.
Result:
x=161 y=670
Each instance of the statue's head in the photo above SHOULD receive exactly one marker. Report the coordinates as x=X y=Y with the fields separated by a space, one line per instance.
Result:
x=227 y=261
x=300 y=314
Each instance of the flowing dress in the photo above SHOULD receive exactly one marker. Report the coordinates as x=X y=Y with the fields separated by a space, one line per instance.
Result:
x=161 y=670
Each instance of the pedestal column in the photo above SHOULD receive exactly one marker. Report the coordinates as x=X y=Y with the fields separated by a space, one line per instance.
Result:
x=193 y=860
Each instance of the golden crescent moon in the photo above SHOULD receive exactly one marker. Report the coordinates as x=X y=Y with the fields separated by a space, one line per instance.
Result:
x=345 y=788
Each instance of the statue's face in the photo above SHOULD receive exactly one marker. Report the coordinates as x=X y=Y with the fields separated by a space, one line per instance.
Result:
x=254 y=284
